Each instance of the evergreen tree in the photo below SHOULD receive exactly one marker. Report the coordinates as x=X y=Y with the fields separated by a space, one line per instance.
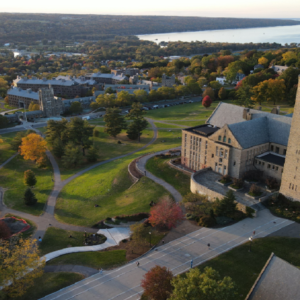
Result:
x=72 y=156
x=29 y=178
x=58 y=148
x=29 y=197
x=139 y=123
x=92 y=155
x=227 y=205
x=114 y=121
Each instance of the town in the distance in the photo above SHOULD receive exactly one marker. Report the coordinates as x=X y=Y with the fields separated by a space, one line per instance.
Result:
x=132 y=169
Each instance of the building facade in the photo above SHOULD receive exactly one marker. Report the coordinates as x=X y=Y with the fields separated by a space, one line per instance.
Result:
x=50 y=106
x=168 y=81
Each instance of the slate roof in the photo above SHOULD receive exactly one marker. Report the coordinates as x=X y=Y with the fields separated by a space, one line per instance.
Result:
x=104 y=75
x=44 y=81
x=23 y=93
x=79 y=80
x=273 y=159
x=278 y=280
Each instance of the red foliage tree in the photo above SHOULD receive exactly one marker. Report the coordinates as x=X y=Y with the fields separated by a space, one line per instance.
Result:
x=157 y=283
x=165 y=214
x=4 y=230
x=206 y=102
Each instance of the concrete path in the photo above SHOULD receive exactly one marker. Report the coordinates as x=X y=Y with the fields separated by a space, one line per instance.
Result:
x=124 y=283
x=7 y=111
x=8 y=160
x=85 y=271
x=141 y=165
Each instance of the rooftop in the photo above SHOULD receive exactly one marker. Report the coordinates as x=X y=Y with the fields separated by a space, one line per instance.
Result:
x=44 y=81
x=23 y=93
x=204 y=130
x=272 y=158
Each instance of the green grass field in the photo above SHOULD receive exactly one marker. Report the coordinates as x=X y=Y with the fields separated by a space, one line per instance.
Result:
x=49 y=283
x=5 y=151
x=166 y=125
x=97 y=260
x=244 y=267
x=159 y=167
x=106 y=186
x=11 y=178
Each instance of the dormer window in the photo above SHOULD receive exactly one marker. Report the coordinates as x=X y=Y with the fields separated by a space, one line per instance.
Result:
x=229 y=141
x=224 y=139
x=220 y=138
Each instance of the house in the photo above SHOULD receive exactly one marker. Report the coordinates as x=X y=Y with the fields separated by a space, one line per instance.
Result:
x=221 y=80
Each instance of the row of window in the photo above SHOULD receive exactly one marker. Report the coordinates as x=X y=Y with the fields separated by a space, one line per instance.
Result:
x=269 y=166
x=276 y=150
x=221 y=153
x=220 y=170
x=292 y=187
x=224 y=139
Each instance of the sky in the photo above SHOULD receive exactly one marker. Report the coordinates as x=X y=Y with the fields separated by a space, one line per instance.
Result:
x=215 y=8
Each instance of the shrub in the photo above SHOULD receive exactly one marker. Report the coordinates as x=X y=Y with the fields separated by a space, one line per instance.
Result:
x=29 y=197
x=119 y=142
x=225 y=179
x=222 y=220
x=29 y=178
x=254 y=190
x=249 y=212
x=207 y=221
x=237 y=183
x=95 y=132
x=132 y=218
x=227 y=205
x=4 y=230
x=190 y=197
x=236 y=215
x=272 y=183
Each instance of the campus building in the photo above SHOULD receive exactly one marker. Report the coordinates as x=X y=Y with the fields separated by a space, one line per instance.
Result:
x=167 y=81
x=126 y=71
x=102 y=78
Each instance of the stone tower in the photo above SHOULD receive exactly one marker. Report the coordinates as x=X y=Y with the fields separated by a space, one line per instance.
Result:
x=290 y=184
x=50 y=106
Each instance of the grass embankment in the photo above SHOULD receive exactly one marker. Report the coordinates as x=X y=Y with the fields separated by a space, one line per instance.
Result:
x=109 y=148
x=49 y=283
x=166 y=125
x=244 y=267
x=11 y=178
x=103 y=259
x=106 y=186
x=56 y=239
x=5 y=151
x=160 y=168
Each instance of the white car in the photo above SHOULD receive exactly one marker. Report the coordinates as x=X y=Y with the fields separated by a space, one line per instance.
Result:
x=155 y=106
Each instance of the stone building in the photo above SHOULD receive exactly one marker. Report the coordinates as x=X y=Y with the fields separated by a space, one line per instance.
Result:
x=126 y=71
x=291 y=173
x=168 y=81
x=22 y=98
x=236 y=140
x=50 y=106
x=102 y=78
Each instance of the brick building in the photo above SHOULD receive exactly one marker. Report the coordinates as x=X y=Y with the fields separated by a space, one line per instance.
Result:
x=61 y=87
x=236 y=140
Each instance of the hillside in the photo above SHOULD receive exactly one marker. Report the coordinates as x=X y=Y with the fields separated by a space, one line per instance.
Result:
x=32 y=27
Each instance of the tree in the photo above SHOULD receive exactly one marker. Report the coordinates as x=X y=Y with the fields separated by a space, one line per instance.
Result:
x=157 y=283
x=263 y=61
x=29 y=178
x=5 y=232
x=6 y=100
x=141 y=95
x=29 y=197
x=206 y=101
x=244 y=96
x=92 y=155
x=79 y=132
x=215 y=85
x=139 y=123
x=165 y=214
x=227 y=205
x=207 y=285
x=33 y=147
x=32 y=106
x=57 y=130
x=75 y=108
x=72 y=156
x=209 y=92
x=3 y=121
x=222 y=93
x=290 y=76
x=20 y=264
x=109 y=90
x=193 y=87
x=114 y=121
x=58 y=148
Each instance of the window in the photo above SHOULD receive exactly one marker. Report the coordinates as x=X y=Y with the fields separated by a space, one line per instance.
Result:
x=217 y=151
x=277 y=149
x=184 y=152
x=272 y=148
x=234 y=163
x=220 y=160
x=226 y=153
x=221 y=152
x=224 y=139
x=263 y=163
x=212 y=155
x=273 y=167
x=229 y=141
x=216 y=167
x=220 y=138
x=276 y=169
x=256 y=162
x=269 y=166
x=224 y=170
x=284 y=151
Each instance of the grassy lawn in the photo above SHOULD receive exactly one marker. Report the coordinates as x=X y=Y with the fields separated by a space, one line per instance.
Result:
x=99 y=121
x=159 y=167
x=164 y=125
x=106 y=186
x=244 y=267
x=5 y=151
x=11 y=178
x=102 y=259
x=42 y=129
x=56 y=239
x=191 y=123
x=49 y=283
x=109 y=148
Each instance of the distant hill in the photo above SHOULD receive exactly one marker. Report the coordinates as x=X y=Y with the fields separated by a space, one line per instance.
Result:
x=16 y=27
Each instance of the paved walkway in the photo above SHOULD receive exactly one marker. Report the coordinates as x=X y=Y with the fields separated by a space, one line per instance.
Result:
x=7 y=161
x=124 y=283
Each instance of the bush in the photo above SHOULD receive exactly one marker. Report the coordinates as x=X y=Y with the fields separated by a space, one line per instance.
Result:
x=272 y=183
x=236 y=215
x=207 y=221
x=191 y=197
x=225 y=179
x=249 y=212
x=96 y=132
x=29 y=197
x=255 y=190
x=237 y=183
x=119 y=142
x=132 y=218
x=29 y=178
x=222 y=220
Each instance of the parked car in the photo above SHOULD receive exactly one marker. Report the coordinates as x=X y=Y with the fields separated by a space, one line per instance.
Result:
x=155 y=106
x=145 y=108
x=191 y=101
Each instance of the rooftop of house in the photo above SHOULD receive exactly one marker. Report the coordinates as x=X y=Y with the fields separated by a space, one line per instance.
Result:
x=278 y=280
x=15 y=91
x=272 y=158
x=44 y=81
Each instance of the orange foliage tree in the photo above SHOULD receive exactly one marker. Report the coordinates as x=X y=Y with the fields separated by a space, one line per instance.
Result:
x=33 y=147
x=157 y=283
x=166 y=214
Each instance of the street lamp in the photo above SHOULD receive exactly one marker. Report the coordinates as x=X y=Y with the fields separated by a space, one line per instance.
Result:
x=150 y=238
x=250 y=239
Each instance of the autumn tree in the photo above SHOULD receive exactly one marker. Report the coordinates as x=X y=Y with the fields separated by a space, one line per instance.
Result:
x=166 y=214
x=207 y=285
x=29 y=178
x=6 y=100
x=206 y=102
x=114 y=121
x=20 y=265
x=5 y=232
x=32 y=106
x=17 y=140
x=222 y=93
x=29 y=197
x=244 y=96
x=157 y=283
x=209 y=92
x=33 y=147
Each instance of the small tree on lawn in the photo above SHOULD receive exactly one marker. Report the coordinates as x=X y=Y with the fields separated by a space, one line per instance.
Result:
x=157 y=283
x=206 y=102
x=114 y=121
x=29 y=178
x=29 y=197
x=166 y=214
x=4 y=230
x=227 y=205
x=92 y=155
x=207 y=285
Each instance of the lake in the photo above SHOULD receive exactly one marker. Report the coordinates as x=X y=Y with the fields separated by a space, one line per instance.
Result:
x=279 y=34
